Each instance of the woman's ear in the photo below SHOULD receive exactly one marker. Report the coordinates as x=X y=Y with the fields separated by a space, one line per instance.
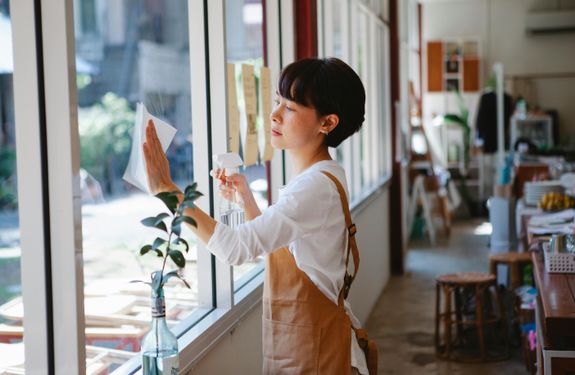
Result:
x=329 y=123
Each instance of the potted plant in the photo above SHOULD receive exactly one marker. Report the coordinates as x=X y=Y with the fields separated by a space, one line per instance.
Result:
x=160 y=345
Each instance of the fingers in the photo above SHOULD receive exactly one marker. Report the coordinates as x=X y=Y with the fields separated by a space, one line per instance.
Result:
x=219 y=174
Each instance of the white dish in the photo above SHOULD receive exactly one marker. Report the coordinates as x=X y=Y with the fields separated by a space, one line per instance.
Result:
x=568 y=180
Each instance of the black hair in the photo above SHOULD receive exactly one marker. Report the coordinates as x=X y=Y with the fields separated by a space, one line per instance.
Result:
x=330 y=86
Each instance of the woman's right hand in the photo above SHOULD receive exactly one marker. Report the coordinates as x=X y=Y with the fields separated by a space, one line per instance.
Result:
x=235 y=183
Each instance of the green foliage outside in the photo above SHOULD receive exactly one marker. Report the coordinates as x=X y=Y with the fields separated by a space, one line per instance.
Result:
x=8 y=196
x=105 y=139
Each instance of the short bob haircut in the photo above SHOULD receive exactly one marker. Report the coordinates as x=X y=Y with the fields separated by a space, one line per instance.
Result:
x=329 y=86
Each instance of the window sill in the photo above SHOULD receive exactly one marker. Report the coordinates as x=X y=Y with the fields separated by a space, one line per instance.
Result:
x=365 y=199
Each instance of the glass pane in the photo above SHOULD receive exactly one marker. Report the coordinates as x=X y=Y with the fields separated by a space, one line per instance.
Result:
x=128 y=52
x=11 y=311
x=363 y=71
x=338 y=19
x=245 y=45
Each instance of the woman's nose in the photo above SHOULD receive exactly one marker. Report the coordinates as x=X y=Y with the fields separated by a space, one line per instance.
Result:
x=274 y=115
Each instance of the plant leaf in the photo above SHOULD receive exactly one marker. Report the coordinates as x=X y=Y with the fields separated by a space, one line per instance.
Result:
x=180 y=241
x=176 y=229
x=186 y=219
x=158 y=242
x=185 y=204
x=193 y=195
x=145 y=249
x=190 y=189
x=156 y=221
x=189 y=220
x=170 y=199
x=178 y=258
x=140 y=281
x=175 y=274
x=156 y=280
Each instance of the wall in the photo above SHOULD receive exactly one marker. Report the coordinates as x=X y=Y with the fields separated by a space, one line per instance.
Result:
x=500 y=24
x=239 y=351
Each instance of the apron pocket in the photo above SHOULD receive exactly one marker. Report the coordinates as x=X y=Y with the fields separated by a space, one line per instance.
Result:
x=290 y=348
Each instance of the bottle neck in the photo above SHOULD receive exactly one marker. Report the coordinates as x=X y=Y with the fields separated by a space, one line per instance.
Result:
x=158 y=306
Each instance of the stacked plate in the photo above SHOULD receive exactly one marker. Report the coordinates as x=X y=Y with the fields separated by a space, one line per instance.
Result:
x=533 y=191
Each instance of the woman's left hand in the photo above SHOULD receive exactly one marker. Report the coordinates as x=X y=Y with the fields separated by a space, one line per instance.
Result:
x=157 y=165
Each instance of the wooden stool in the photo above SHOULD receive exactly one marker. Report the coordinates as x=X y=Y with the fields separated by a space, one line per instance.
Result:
x=453 y=286
x=514 y=261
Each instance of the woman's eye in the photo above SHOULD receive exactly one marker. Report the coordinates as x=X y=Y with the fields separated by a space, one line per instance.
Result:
x=289 y=108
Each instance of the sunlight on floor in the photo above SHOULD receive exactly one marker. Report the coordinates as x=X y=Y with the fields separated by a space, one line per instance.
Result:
x=483 y=229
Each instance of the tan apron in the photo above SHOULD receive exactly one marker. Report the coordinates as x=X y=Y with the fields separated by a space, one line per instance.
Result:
x=304 y=332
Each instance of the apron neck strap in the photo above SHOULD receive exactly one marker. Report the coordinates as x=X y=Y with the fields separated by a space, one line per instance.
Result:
x=351 y=243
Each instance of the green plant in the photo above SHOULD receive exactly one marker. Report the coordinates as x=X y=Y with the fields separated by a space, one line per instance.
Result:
x=461 y=119
x=8 y=196
x=174 y=244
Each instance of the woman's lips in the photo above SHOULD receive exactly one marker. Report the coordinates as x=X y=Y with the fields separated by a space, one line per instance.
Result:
x=275 y=133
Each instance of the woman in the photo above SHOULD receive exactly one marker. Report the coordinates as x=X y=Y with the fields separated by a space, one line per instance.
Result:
x=307 y=326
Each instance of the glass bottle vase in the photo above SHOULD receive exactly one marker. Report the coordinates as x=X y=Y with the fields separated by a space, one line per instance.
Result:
x=160 y=345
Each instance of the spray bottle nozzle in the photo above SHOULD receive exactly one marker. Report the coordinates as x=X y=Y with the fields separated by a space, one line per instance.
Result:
x=227 y=164
x=229 y=161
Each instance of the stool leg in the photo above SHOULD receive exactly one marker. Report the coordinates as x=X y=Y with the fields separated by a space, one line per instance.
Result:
x=479 y=320
x=458 y=313
x=515 y=279
x=493 y=267
x=447 y=321
x=437 y=316
x=503 y=318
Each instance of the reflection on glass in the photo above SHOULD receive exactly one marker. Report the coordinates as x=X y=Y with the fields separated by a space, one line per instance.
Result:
x=11 y=310
x=127 y=52
x=244 y=45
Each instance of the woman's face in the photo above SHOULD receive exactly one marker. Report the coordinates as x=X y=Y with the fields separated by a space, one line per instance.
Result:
x=294 y=126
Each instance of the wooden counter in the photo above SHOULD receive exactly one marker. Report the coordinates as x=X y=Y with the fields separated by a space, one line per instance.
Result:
x=557 y=292
x=555 y=319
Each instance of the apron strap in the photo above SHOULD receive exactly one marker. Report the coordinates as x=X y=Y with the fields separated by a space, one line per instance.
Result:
x=351 y=243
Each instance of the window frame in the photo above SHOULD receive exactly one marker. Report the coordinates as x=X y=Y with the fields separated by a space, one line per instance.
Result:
x=377 y=96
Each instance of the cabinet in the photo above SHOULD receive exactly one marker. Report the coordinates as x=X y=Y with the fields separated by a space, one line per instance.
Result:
x=453 y=65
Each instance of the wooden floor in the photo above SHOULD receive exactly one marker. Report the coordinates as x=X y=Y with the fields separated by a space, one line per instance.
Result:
x=403 y=320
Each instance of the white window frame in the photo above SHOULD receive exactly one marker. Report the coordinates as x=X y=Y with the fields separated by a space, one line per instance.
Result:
x=379 y=156
x=30 y=187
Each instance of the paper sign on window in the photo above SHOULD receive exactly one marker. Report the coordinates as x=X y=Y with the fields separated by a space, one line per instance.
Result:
x=266 y=109
x=250 y=101
x=233 y=111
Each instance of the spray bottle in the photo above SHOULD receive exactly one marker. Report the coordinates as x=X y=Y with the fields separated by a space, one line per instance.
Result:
x=231 y=213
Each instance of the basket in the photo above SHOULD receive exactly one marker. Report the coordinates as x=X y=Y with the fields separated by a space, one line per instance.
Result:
x=558 y=263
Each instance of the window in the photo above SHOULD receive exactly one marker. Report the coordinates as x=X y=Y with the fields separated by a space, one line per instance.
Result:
x=245 y=45
x=11 y=304
x=141 y=55
x=366 y=156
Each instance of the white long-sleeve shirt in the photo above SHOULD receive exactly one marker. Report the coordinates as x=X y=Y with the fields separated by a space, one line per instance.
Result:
x=309 y=220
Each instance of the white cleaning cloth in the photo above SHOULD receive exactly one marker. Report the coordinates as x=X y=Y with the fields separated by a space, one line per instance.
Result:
x=135 y=172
